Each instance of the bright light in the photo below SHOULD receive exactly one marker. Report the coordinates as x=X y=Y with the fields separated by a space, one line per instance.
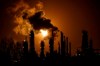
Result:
x=44 y=32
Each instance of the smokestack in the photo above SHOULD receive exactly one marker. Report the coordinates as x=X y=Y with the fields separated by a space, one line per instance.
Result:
x=42 y=50
x=51 y=42
x=58 y=48
x=25 y=49
x=25 y=44
x=67 y=46
x=32 y=48
x=84 y=41
x=62 y=45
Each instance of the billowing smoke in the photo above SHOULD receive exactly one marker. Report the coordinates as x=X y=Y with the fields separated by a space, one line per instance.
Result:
x=18 y=17
x=31 y=18
x=23 y=25
x=40 y=22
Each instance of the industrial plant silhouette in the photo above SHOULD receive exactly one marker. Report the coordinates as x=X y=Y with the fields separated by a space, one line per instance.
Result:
x=19 y=54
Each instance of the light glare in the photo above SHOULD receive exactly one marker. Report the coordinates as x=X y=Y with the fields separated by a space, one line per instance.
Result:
x=44 y=32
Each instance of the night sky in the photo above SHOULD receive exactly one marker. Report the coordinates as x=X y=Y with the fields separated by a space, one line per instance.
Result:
x=70 y=16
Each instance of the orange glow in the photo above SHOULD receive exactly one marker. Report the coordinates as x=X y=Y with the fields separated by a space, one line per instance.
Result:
x=23 y=27
x=31 y=11
x=39 y=5
x=44 y=32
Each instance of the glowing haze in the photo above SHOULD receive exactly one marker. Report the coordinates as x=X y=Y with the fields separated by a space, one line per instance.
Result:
x=44 y=32
x=23 y=25
x=12 y=22
x=71 y=16
x=29 y=18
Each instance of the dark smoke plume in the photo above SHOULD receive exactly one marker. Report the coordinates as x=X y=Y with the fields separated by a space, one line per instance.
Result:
x=40 y=22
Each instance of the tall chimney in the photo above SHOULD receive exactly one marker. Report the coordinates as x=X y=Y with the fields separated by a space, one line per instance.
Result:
x=51 y=42
x=42 y=50
x=67 y=46
x=62 y=45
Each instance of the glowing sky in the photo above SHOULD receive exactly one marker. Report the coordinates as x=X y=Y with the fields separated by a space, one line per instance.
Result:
x=70 y=16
